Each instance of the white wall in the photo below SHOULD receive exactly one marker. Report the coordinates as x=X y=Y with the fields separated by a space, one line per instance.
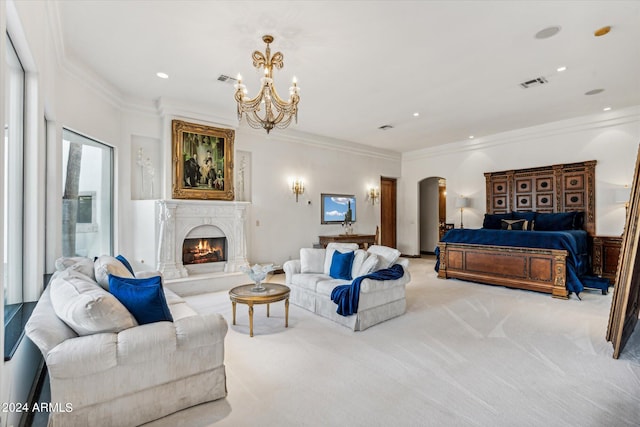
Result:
x=611 y=138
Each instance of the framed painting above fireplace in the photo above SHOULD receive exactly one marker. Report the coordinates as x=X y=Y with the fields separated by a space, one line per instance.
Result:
x=202 y=161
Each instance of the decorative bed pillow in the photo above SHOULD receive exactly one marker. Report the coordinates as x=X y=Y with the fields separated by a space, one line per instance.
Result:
x=554 y=221
x=494 y=221
x=530 y=216
x=341 y=264
x=514 y=224
x=312 y=260
x=106 y=265
x=386 y=256
x=340 y=247
x=578 y=221
x=80 y=264
x=144 y=298
x=87 y=308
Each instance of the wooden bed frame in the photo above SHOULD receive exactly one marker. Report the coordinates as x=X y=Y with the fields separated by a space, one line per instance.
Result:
x=557 y=188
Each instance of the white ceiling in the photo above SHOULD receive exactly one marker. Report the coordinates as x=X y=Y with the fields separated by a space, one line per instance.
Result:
x=361 y=65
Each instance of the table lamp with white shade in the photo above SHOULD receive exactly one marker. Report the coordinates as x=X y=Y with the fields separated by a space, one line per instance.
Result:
x=461 y=203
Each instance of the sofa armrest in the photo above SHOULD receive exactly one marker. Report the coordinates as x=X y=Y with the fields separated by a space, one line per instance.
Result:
x=45 y=328
x=404 y=262
x=202 y=330
x=291 y=267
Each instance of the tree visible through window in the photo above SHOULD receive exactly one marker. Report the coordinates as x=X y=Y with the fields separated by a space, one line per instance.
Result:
x=87 y=203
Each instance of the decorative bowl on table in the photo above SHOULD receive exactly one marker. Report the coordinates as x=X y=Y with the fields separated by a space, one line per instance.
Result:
x=257 y=273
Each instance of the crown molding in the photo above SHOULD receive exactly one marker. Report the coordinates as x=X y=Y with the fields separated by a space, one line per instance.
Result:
x=561 y=127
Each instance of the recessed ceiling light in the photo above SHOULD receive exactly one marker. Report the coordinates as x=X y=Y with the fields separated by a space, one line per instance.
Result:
x=561 y=69
x=594 y=91
x=416 y=114
x=547 y=32
x=606 y=109
x=470 y=136
x=162 y=75
x=602 y=31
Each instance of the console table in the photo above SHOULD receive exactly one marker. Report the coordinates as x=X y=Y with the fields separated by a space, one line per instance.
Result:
x=363 y=240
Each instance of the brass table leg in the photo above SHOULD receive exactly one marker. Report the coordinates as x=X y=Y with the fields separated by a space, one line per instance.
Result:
x=250 y=320
x=233 y=305
x=286 y=313
x=267 y=310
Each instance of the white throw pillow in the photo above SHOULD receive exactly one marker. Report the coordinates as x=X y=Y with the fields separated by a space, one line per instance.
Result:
x=358 y=258
x=86 y=307
x=386 y=256
x=340 y=247
x=80 y=264
x=369 y=265
x=106 y=265
x=312 y=260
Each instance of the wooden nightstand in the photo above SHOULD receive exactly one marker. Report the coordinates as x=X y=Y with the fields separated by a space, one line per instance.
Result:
x=605 y=255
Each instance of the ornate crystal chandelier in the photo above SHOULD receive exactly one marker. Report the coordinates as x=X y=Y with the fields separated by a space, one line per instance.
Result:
x=267 y=110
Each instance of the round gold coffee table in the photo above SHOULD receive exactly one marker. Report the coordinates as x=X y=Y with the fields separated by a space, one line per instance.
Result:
x=273 y=293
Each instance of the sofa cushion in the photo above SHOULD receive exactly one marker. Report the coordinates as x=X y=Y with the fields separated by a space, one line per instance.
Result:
x=144 y=298
x=359 y=258
x=324 y=287
x=386 y=256
x=368 y=266
x=106 y=265
x=332 y=247
x=124 y=262
x=312 y=260
x=341 y=264
x=309 y=280
x=82 y=265
x=87 y=308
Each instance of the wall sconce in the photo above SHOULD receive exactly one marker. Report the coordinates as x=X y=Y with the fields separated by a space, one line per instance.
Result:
x=622 y=195
x=373 y=195
x=297 y=187
x=461 y=203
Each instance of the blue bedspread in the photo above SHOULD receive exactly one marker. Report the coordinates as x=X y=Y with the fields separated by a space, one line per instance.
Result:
x=348 y=296
x=573 y=241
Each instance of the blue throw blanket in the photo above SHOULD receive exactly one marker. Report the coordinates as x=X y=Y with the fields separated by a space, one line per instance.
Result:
x=348 y=296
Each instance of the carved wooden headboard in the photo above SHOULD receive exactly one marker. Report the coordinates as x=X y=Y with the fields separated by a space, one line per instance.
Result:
x=557 y=188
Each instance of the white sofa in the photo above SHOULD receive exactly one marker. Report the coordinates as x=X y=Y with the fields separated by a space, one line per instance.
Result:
x=128 y=374
x=311 y=285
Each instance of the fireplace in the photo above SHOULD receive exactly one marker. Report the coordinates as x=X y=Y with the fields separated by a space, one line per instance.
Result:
x=214 y=230
x=204 y=250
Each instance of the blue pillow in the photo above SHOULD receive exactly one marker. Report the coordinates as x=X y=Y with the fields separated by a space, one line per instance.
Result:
x=341 y=264
x=124 y=261
x=494 y=221
x=554 y=221
x=143 y=298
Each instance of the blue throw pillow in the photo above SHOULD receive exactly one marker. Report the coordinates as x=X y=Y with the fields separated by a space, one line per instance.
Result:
x=341 y=264
x=494 y=221
x=124 y=261
x=554 y=221
x=143 y=298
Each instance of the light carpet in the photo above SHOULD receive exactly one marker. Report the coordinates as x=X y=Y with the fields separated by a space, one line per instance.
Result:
x=464 y=354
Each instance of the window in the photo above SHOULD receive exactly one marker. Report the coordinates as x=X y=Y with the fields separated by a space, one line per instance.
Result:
x=87 y=203
x=13 y=195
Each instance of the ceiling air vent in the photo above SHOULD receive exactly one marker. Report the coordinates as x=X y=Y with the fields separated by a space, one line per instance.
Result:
x=226 y=79
x=385 y=127
x=535 y=82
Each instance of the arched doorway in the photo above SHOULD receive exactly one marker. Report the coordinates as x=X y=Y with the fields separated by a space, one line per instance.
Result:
x=432 y=205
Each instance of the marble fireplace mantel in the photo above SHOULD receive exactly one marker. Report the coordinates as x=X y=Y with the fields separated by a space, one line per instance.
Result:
x=177 y=218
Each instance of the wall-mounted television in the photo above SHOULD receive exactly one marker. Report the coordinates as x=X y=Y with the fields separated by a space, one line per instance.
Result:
x=334 y=208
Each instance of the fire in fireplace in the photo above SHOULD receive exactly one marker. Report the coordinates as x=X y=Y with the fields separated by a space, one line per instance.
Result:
x=204 y=250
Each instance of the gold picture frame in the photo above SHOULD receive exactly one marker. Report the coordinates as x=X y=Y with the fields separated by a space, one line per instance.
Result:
x=202 y=161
